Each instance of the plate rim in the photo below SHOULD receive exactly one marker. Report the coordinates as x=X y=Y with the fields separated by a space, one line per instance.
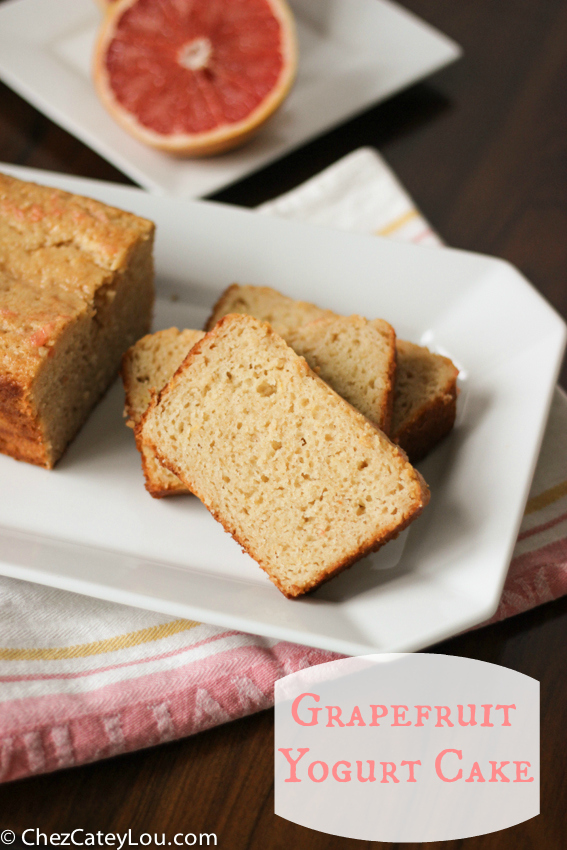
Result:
x=148 y=177
x=481 y=612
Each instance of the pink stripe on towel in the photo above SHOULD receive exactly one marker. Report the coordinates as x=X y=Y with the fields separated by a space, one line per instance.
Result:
x=129 y=715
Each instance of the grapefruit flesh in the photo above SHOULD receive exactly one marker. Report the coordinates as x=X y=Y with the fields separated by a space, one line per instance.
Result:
x=195 y=76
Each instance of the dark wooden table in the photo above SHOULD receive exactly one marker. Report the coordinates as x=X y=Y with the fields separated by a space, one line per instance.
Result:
x=482 y=147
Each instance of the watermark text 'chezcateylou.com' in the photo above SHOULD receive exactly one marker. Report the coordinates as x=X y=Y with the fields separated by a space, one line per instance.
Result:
x=34 y=837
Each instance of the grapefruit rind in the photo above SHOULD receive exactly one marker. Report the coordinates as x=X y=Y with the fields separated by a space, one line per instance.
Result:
x=209 y=142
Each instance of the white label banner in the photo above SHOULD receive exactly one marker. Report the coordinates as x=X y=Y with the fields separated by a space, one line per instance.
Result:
x=407 y=747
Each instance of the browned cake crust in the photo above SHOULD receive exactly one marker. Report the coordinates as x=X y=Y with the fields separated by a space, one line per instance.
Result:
x=158 y=480
x=76 y=289
x=220 y=305
x=429 y=425
x=425 y=405
x=241 y=346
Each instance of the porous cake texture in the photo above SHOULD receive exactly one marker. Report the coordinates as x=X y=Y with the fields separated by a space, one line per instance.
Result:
x=423 y=400
x=268 y=305
x=146 y=368
x=357 y=358
x=302 y=480
x=76 y=289
x=425 y=403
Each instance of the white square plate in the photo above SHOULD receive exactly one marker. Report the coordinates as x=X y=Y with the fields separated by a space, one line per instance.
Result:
x=352 y=54
x=89 y=525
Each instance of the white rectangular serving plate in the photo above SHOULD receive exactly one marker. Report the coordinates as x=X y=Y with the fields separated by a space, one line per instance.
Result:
x=89 y=525
x=352 y=55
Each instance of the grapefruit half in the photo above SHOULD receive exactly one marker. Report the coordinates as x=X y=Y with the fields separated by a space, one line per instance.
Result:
x=195 y=77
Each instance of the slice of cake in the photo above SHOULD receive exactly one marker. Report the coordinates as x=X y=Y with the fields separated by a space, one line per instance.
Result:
x=302 y=480
x=425 y=403
x=146 y=368
x=76 y=290
x=268 y=305
x=357 y=358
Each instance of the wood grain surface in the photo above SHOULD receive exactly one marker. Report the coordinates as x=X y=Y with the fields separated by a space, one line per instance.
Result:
x=482 y=147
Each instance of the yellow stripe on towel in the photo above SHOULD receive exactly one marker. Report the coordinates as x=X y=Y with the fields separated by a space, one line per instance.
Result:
x=397 y=223
x=98 y=647
x=536 y=503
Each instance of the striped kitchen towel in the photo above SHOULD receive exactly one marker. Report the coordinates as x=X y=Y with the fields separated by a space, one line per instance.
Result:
x=82 y=679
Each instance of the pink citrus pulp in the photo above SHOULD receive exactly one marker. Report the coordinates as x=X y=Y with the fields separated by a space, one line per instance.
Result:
x=195 y=77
